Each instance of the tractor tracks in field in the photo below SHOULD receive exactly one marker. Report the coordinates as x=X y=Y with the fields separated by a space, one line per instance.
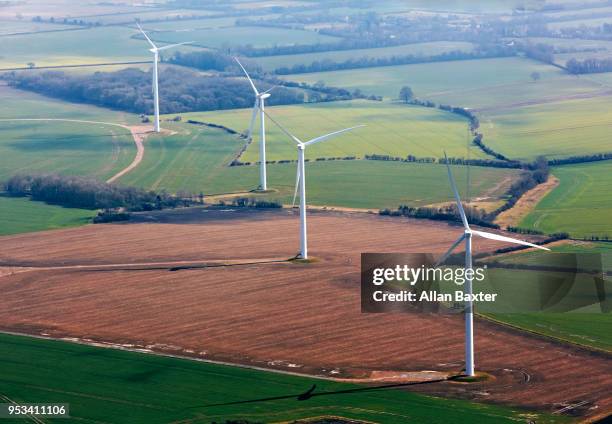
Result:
x=139 y=134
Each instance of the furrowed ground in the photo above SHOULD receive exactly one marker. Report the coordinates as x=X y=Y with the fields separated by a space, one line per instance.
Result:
x=208 y=312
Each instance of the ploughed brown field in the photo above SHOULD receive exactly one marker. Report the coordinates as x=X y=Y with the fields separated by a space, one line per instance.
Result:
x=115 y=283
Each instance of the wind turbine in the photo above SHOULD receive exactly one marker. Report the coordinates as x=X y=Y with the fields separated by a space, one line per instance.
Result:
x=300 y=180
x=260 y=99
x=155 y=50
x=467 y=236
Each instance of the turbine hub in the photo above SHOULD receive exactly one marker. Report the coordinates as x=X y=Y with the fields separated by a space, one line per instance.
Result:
x=264 y=96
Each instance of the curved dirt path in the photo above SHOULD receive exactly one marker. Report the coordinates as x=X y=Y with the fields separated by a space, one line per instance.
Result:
x=139 y=133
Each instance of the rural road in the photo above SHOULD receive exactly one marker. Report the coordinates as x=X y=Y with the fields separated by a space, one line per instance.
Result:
x=138 y=132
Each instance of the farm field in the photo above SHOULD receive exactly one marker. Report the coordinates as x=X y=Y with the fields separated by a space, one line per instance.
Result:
x=315 y=334
x=255 y=36
x=433 y=80
x=75 y=47
x=208 y=392
x=271 y=63
x=579 y=205
x=97 y=150
x=391 y=129
x=195 y=159
x=185 y=26
x=16 y=27
x=20 y=215
x=561 y=129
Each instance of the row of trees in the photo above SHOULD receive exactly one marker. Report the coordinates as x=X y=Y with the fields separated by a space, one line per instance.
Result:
x=88 y=193
x=130 y=90
x=369 y=62
x=588 y=66
x=446 y=213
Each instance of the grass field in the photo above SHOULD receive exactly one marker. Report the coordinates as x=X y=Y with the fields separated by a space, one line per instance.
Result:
x=75 y=47
x=107 y=385
x=255 y=36
x=20 y=215
x=435 y=80
x=98 y=150
x=195 y=160
x=392 y=129
x=589 y=329
x=17 y=27
x=560 y=129
x=580 y=205
x=417 y=49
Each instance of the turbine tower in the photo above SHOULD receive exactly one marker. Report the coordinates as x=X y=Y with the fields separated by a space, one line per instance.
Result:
x=300 y=180
x=155 y=50
x=260 y=99
x=467 y=236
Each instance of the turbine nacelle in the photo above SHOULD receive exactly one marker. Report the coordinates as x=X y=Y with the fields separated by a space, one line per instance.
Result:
x=264 y=96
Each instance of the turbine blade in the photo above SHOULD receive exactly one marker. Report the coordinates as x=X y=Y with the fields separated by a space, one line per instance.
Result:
x=330 y=135
x=247 y=75
x=449 y=251
x=297 y=183
x=253 y=118
x=283 y=129
x=456 y=192
x=508 y=239
x=270 y=89
x=147 y=37
x=173 y=45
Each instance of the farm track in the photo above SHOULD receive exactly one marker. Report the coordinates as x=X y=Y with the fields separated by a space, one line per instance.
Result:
x=290 y=316
x=526 y=204
x=139 y=134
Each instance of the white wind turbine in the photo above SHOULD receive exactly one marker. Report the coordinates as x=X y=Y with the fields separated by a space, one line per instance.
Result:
x=300 y=181
x=155 y=50
x=467 y=236
x=260 y=99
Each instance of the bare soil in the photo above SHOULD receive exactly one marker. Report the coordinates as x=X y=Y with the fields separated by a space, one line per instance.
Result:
x=528 y=201
x=284 y=315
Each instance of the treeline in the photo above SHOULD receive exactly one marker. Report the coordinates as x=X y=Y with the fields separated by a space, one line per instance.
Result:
x=369 y=62
x=588 y=66
x=535 y=174
x=447 y=213
x=453 y=161
x=88 y=193
x=597 y=157
x=204 y=60
x=130 y=90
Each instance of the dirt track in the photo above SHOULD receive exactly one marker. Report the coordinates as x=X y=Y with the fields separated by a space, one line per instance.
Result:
x=289 y=316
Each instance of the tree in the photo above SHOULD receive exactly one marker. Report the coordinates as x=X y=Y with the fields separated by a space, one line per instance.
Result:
x=406 y=94
x=535 y=76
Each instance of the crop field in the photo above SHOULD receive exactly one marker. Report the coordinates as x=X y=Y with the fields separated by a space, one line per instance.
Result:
x=200 y=317
x=391 y=129
x=579 y=205
x=417 y=49
x=208 y=392
x=17 y=27
x=147 y=14
x=20 y=215
x=255 y=36
x=586 y=328
x=433 y=80
x=97 y=150
x=75 y=47
x=195 y=159
x=185 y=26
x=561 y=129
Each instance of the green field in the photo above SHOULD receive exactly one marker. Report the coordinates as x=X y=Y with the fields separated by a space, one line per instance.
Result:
x=95 y=45
x=18 y=27
x=437 y=81
x=255 y=36
x=391 y=129
x=588 y=327
x=195 y=160
x=417 y=49
x=581 y=205
x=560 y=129
x=106 y=385
x=20 y=215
